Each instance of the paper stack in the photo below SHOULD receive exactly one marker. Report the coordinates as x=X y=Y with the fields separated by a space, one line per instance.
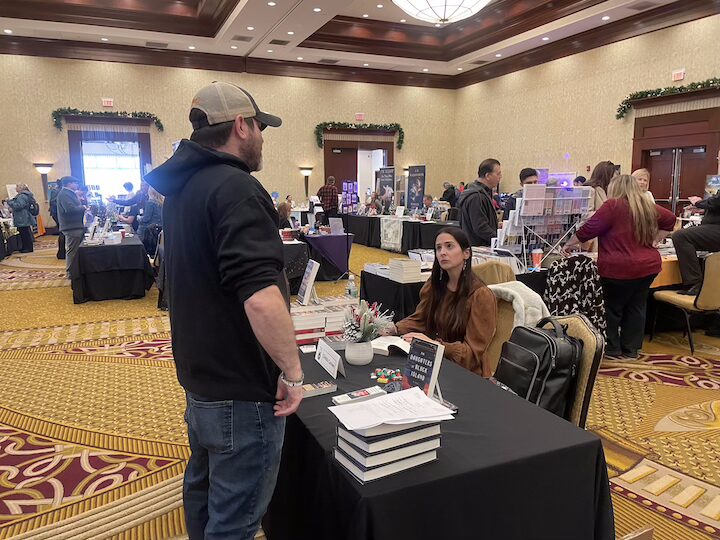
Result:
x=377 y=269
x=405 y=271
x=388 y=434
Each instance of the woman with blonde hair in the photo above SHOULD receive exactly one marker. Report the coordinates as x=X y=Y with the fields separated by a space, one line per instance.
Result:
x=24 y=209
x=643 y=179
x=627 y=226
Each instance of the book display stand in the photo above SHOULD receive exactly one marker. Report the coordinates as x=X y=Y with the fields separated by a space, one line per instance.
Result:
x=545 y=218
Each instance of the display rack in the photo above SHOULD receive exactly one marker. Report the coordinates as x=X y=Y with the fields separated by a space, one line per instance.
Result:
x=545 y=218
x=350 y=197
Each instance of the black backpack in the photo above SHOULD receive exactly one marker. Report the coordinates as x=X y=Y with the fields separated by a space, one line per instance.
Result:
x=33 y=206
x=541 y=365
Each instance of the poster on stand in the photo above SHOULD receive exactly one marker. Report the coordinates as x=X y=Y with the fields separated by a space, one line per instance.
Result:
x=415 y=187
x=712 y=186
x=385 y=185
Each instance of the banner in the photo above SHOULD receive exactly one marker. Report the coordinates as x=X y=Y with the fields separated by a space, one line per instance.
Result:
x=385 y=185
x=416 y=186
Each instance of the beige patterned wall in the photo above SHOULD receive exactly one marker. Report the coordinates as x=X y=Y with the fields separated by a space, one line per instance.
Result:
x=32 y=87
x=533 y=118
x=529 y=118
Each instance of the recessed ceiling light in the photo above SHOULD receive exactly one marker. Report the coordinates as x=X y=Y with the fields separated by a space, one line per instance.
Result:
x=291 y=33
x=7 y=31
x=438 y=25
x=366 y=65
x=191 y=47
x=317 y=10
x=606 y=18
x=460 y=69
x=104 y=39
x=269 y=50
x=498 y=55
x=272 y=4
x=426 y=70
x=365 y=15
x=380 y=6
x=546 y=38
x=233 y=47
x=299 y=57
x=403 y=20
x=251 y=28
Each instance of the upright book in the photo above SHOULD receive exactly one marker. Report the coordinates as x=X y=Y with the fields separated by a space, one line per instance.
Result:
x=423 y=365
x=308 y=282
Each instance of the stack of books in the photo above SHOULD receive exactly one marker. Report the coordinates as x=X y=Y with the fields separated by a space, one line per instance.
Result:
x=315 y=321
x=405 y=271
x=369 y=454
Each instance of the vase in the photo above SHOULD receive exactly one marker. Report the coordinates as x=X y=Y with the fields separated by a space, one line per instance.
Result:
x=359 y=354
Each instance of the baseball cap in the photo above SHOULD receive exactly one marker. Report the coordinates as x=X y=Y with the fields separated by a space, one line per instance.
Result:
x=223 y=102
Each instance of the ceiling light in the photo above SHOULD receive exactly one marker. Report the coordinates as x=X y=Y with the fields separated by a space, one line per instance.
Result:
x=7 y=31
x=251 y=28
x=317 y=10
x=191 y=47
x=426 y=70
x=606 y=18
x=366 y=65
x=299 y=57
x=403 y=20
x=460 y=69
x=546 y=38
x=233 y=47
x=441 y=11
x=498 y=55
x=380 y=6
x=272 y=4
x=104 y=39
x=270 y=50
x=365 y=15
x=291 y=33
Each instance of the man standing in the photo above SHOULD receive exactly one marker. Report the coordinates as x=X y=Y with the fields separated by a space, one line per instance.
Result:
x=232 y=336
x=705 y=237
x=478 y=217
x=528 y=177
x=449 y=194
x=54 y=192
x=70 y=215
x=328 y=195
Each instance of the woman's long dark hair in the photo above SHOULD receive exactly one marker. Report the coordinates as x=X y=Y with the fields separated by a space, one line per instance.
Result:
x=450 y=321
x=601 y=175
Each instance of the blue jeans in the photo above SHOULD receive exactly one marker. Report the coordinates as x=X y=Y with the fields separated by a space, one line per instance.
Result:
x=231 y=474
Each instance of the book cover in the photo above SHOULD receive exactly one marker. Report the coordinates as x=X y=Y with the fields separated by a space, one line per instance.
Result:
x=364 y=474
x=308 y=281
x=423 y=365
x=386 y=442
x=385 y=429
x=318 y=389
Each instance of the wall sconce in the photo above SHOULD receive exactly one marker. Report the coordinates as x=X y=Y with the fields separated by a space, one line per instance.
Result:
x=306 y=172
x=44 y=169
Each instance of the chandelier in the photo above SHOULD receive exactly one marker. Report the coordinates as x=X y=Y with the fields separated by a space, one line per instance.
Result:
x=441 y=11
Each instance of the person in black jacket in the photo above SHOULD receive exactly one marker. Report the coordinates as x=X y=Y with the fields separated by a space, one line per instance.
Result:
x=528 y=176
x=705 y=237
x=478 y=217
x=70 y=215
x=231 y=328
x=449 y=194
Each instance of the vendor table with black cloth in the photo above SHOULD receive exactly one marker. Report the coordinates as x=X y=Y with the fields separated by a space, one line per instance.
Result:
x=506 y=470
x=365 y=228
x=332 y=252
x=421 y=235
x=400 y=298
x=105 y=272
x=296 y=259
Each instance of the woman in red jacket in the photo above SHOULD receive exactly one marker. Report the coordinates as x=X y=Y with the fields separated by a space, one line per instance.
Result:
x=627 y=226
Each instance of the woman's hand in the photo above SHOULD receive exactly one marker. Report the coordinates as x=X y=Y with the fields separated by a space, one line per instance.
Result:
x=411 y=335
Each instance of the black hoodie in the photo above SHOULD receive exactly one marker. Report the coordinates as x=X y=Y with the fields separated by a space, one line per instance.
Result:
x=478 y=217
x=221 y=246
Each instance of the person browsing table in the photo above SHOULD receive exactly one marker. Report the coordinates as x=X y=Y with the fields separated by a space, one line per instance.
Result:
x=328 y=195
x=231 y=328
x=456 y=308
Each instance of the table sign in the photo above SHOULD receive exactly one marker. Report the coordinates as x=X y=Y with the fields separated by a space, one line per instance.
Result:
x=415 y=186
x=429 y=215
x=306 y=293
x=423 y=366
x=400 y=211
x=329 y=359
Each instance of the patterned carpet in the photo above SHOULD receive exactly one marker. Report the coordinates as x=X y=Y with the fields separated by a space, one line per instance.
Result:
x=93 y=444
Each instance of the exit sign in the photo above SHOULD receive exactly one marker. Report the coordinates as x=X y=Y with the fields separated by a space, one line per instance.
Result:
x=108 y=102
x=359 y=116
x=678 y=75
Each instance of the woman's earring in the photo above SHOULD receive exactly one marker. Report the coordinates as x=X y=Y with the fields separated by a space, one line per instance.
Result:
x=441 y=273
x=465 y=265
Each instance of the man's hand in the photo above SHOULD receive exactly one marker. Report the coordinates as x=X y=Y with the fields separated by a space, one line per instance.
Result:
x=694 y=200
x=288 y=399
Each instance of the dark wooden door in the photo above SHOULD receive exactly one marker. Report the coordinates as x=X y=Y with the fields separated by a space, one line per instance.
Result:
x=660 y=165
x=341 y=161
x=695 y=161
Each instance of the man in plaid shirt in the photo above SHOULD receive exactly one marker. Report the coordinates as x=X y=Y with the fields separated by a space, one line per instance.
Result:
x=328 y=195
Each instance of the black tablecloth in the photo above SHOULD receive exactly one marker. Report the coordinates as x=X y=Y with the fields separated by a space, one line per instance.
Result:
x=535 y=280
x=421 y=235
x=366 y=229
x=120 y=271
x=10 y=246
x=296 y=259
x=401 y=298
x=507 y=470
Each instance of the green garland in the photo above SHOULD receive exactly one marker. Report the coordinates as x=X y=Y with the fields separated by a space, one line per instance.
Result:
x=625 y=106
x=57 y=116
x=320 y=128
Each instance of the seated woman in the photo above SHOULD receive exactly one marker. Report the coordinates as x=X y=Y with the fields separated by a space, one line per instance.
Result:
x=284 y=216
x=643 y=179
x=456 y=308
